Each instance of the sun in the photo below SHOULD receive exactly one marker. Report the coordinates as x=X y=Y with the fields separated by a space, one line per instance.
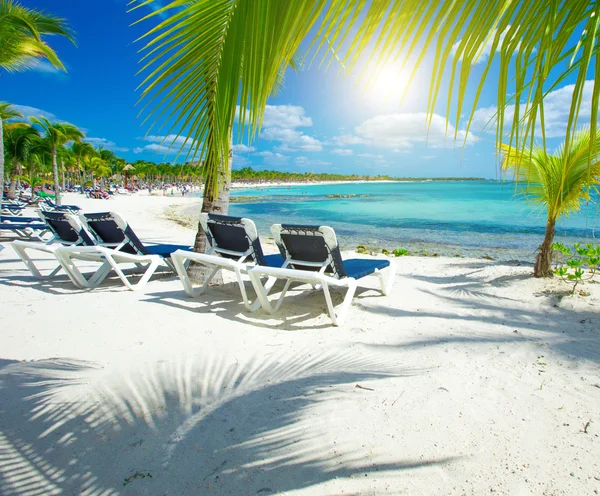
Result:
x=386 y=84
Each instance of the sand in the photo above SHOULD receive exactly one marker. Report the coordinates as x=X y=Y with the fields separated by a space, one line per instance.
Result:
x=471 y=378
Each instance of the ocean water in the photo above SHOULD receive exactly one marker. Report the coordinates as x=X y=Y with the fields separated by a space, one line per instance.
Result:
x=449 y=218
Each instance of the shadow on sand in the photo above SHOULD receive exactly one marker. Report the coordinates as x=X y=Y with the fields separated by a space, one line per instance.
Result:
x=186 y=426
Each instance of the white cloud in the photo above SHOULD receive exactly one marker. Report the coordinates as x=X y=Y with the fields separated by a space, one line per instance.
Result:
x=305 y=162
x=240 y=161
x=345 y=140
x=280 y=134
x=398 y=131
x=370 y=155
x=29 y=112
x=303 y=143
x=271 y=158
x=46 y=67
x=105 y=143
x=241 y=148
x=342 y=151
x=170 y=144
x=286 y=116
x=557 y=105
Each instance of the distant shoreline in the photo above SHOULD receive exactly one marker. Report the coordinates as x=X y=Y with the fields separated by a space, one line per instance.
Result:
x=278 y=184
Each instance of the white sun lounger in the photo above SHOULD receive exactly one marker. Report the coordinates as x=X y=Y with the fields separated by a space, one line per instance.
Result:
x=312 y=256
x=125 y=248
x=234 y=246
x=63 y=233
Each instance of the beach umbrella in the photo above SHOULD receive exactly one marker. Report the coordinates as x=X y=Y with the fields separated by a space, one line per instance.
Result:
x=126 y=169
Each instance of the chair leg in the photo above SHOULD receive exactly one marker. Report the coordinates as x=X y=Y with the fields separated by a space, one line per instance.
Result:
x=180 y=265
x=339 y=318
x=262 y=292
x=26 y=259
x=387 y=282
x=150 y=269
x=77 y=277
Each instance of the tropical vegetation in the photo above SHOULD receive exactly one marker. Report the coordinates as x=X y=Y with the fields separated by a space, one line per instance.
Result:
x=199 y=85
x=577 y=264
x=21 y=38
x=560 y=182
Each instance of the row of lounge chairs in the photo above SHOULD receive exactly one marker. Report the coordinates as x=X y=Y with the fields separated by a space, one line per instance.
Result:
x=307 y=254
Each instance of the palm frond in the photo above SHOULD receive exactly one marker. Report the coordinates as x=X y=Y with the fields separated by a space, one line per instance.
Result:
x=21 y=32
x=560 y=182
x=211 y=55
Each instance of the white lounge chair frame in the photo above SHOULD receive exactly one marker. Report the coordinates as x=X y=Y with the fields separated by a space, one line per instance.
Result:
x=110 y=258
x=215 y=262
x=318 y=279
x=46 y=246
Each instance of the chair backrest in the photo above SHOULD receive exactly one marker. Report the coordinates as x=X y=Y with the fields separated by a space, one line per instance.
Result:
x=309 y=248
x=112 y=230
x=65 y=231
x=232 y=237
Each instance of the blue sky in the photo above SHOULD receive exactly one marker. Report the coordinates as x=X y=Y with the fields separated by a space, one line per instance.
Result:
x=319 y=121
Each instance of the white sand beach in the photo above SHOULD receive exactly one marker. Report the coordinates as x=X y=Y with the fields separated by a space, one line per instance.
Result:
x=470 y=378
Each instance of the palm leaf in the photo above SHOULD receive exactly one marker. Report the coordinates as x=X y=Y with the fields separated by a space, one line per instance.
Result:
x=211 y=55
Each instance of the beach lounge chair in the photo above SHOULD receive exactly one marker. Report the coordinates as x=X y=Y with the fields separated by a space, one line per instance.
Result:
x=117 y=244
x=312 y=255
x=234 y=246
x=49 y=206
x=12 y=209
x=29 y=228
x=63 y=233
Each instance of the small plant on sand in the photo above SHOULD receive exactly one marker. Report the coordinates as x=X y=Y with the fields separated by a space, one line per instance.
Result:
x=385 y=251
x=576 y=265
x=361 y=249
x=400 y=252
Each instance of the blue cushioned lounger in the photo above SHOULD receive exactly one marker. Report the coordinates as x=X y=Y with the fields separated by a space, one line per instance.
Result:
x=117 y=245
x=234 y=246
x=312 y=255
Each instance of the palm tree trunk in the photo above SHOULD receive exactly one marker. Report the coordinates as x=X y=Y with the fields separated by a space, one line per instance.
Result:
x=1 y=161
x=218 y=204
x=62 y=163
x=543 y=261
x=12 y=190
x=55 y=173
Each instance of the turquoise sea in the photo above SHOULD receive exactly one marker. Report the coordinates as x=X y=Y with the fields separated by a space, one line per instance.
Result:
x=449 y=218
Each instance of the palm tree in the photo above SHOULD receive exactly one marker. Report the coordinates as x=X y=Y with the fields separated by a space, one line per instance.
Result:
x=80 y=151
x=19 y=142
x=57 y=135
x=21 y=32
x=559 y=182
x=6 y=112
x=195 y=83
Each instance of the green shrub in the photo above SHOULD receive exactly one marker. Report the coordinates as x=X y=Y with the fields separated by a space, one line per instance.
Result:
x=385 y=251
x=399 y=252
x=576 y=265
x=361 y=249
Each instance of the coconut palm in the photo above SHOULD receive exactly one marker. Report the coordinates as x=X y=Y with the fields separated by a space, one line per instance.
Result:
x=57 y=135
x=21 y=32
x=80 y=151
x=560 y=182
x=7 y=111
x=195 y=84
x=19 y=141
